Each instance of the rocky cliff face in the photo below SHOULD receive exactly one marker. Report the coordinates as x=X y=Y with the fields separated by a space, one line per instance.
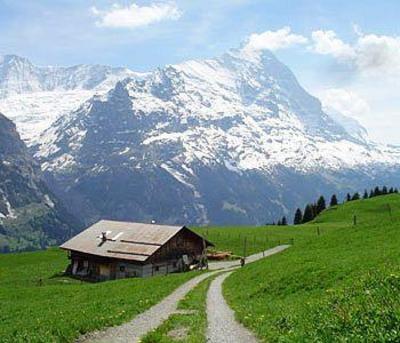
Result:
x=233 y=139
x=30 y=216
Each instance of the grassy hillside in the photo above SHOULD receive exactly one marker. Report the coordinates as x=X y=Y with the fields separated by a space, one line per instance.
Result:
x=258 y=238
x=339 y=286
x=59 y=309
x=339 y=282
x=39 y=305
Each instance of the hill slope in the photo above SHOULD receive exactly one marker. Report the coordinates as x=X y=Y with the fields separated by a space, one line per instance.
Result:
x=30 y=216
x=339 y=286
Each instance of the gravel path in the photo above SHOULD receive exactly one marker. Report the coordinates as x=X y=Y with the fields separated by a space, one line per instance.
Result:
x=249 y=259
x=222 y=326
x=152 y=318
x=146 y=321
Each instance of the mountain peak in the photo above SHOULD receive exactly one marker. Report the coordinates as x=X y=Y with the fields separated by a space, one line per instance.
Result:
x=11 y=58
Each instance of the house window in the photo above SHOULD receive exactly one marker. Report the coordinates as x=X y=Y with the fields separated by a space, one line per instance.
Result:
x=174 y=264
x=122 y=269
x=157 y=268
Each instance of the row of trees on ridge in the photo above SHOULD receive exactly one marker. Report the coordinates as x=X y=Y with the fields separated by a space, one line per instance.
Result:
x=314 y=209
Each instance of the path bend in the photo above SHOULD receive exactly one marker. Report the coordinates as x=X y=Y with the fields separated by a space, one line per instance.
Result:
x=152 y=318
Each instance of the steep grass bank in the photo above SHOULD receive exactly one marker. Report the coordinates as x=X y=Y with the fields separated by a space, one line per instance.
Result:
x=340 y=285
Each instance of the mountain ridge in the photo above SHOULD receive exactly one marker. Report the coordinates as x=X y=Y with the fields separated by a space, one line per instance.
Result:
x=31 y=217
x=224 y=137
x=34 y=96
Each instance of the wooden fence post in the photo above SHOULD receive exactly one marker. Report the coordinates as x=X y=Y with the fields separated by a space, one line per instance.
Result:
x=390 y=212
x=244 y=248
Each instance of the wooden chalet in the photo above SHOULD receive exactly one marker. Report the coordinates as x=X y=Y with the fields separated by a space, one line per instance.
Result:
x=113 y=250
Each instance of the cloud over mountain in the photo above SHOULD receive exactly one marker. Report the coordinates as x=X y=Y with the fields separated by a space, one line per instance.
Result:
x=274 y=40
x=134 y=16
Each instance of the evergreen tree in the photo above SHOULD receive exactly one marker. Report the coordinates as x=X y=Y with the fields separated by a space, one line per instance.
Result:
x=384 y=190
x=377 y=191
x=321 y=205
x=372 y=193
x=314 y=210
x=279 y=223
x=356 y=196
x=308 y=214
x=334 y=201
x=365 y=196
x=284 y=221
x=298 y=217
x=396 y=190
x=391 y=190
x=348 y=197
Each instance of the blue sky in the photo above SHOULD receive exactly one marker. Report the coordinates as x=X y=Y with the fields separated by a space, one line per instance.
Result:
x=345 y=52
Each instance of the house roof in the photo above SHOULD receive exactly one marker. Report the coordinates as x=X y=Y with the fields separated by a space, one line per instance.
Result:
x=125 y=240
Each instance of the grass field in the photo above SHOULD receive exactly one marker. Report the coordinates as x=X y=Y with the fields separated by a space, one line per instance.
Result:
x=39 y=305
x=338 y=282
x=339 y=286
x=255 y=238
x=59 y=309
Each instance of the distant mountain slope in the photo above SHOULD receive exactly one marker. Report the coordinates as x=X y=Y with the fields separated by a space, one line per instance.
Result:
x=35 y=96
x=233 y=139
x=30 y=216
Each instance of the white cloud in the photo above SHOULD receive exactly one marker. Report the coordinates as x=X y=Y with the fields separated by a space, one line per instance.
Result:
x=134 y=16
x=345 y=101
x=378 y=54
x=370 y=53
x=327 y=43
x=347 y=108
x=274 y=40
x=357 y=29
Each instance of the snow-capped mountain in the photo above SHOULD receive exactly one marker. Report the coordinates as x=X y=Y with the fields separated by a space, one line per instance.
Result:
x=351 y=125
x=30 y=216
x=233 y=139
x=34 y=96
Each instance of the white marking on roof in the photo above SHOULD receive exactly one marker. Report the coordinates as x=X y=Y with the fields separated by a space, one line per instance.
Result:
x=117 y=236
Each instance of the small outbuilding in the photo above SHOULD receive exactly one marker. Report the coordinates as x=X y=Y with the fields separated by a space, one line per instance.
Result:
x=113 y=250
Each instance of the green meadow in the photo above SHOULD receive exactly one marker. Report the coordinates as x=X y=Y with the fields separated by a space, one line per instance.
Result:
x=247 y=240
x=39 y=305
x=339 y=286
x=339 y=282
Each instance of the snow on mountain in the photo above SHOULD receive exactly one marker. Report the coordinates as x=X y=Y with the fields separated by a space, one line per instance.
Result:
x=33 y=97
x=247 y=112
x=223 y=140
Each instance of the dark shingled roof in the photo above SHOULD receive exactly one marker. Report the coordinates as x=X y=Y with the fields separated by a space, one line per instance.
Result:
x=125 y=240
